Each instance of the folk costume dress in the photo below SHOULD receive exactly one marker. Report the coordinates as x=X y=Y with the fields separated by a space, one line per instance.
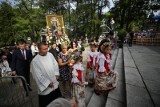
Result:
x=77 y=90
x=91 y=62
x=106 y=78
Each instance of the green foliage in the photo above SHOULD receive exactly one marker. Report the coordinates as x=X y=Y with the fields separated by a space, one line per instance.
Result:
x=6 y=24
x=20 y=21
x=25 y=18
x=127 y=12
x=86 y=18
x=121 y=34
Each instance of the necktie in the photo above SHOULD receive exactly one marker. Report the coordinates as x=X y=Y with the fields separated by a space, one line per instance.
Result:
x=23 y=54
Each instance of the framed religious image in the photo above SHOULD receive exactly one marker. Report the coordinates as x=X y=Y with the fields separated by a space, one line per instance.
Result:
x=55 y=24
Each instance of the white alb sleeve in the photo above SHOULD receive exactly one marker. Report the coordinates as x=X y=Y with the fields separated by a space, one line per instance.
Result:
x=41 y=80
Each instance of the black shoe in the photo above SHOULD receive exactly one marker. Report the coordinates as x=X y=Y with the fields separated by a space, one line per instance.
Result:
x=27 y=94
x=96 y=93
x=29 y=88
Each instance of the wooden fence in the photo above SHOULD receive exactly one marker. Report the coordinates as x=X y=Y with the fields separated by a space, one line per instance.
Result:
x=147 y=41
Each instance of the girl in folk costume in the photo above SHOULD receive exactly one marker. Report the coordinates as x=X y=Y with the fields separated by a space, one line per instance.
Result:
x=91 y=61
x=104 y=41
x=106 y=79
x=78 y=82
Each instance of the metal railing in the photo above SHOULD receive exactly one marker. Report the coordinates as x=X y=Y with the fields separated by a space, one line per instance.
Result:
x=14 y=92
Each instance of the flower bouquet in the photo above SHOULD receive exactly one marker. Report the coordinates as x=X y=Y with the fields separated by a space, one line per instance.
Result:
x=73 y=56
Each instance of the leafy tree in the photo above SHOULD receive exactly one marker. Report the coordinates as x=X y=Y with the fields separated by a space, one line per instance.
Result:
x=131 y=12
x=6 y=24
x=28 y=17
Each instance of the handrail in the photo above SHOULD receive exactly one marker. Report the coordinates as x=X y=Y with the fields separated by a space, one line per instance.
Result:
x=14 y=93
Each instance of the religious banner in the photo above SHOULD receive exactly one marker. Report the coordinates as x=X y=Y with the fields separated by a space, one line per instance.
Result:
x=55 y=24
x=56 y=29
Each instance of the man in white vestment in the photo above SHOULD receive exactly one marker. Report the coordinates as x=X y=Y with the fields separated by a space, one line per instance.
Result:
x=45 y=71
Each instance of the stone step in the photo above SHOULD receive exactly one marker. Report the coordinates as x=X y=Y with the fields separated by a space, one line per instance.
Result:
x=136 y=92
x=114 y=57
x=89 y=93
x=100 y=100
x=97 y=100
x=116 y=98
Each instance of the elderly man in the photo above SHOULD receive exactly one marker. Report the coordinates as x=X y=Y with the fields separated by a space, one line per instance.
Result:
x=45 y=71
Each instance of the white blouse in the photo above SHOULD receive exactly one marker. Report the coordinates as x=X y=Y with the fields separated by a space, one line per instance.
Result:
x=94 y=55
x=101 y=61
x=75 y=73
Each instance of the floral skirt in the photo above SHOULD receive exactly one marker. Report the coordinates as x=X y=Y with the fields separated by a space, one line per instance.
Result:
x=65 y=74
x=79 y=95
x=65 y=88
x=105 y=83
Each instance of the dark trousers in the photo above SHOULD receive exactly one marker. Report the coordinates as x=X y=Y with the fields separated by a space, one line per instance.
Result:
x=26 y=75
x=44 y=100
x=27 y=78
x=130 y=42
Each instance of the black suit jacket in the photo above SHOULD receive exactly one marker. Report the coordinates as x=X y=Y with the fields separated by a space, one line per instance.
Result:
x=19 y=64
x=9 y=58
x=54 y=53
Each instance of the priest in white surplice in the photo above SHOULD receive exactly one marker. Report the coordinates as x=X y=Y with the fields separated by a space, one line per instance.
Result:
x=45 y=71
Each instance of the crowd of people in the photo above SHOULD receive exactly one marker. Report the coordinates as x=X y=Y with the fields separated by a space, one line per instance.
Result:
x=59 y=72
x=138 y=35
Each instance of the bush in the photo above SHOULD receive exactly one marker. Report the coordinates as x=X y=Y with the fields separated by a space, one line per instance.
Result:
x=121 y=35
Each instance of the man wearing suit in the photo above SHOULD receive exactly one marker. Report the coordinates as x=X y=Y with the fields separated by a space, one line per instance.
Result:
x=53 y=50
x=9 y=56
x=21 y=62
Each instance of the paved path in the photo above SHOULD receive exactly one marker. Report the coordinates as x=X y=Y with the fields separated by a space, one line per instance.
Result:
x=147 y=62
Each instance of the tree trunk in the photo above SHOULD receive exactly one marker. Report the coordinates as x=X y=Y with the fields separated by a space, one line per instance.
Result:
x=77 y=15
x=123 y=13
x=128 y=19
x=99 y=16
x=122 y=18
x=91 y=28
x=69 y=18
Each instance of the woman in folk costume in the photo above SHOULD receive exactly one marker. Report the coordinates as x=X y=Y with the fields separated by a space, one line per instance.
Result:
x=91 y=61
x=78 y=82
x=106 y=79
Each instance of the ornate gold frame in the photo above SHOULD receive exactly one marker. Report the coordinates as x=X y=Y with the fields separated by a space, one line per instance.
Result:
x=55 y=17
